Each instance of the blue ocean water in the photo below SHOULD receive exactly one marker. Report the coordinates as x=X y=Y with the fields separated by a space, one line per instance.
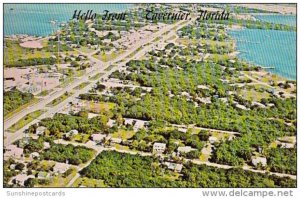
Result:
x=34 y=19
x=279 y=19
x=268 y=48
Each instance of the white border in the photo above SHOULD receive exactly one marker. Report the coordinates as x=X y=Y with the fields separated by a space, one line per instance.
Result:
x=134 y=192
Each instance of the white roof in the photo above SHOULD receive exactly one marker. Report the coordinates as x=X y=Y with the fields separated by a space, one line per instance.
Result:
x=23 y=177
x=110 y=122
x=202 y=87
x=41 y=128
x=256 y=160
x=116 y=140
x=46 y=145
x=98 y=137
x=13 y=150
x=159 y=145
x=60 y=167
x=185 y=149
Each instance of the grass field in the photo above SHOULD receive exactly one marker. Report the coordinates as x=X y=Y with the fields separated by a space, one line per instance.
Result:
x=25 y=120
x=99 y=106
x=58 y=100
x=87 y=182
x=97 y=76
x=121 y=133
x=15 y=52
x=82 y=85
x=33 y=101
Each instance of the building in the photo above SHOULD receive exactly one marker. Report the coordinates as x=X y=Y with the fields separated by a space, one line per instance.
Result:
x=60 y=167
x=182 y=129
x=159 y=148
x=139 y=124
x=111 y=123
x=34 y=155
x=40 y=130
x=46 y=145
x=256 y=160
x=14 y=151
x=175 y=167
x=116 y=140
x=43 y=175
x=212 y=139
x=21 y=178
x=98 y=137
x=286 y=145
x=185 y=149
x=71 y=133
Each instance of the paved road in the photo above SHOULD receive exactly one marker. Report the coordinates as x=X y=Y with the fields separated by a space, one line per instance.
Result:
x=99 y=68
x=207 y=129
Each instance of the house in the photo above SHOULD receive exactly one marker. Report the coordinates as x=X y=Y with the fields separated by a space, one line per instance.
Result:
x=40 y=130
x=258 y=104
x=111 y=123
x=21 y=178
x=43 y=175
x=202 y=87
x=46 y=145
x=212 y=139
x=116 y=140
x=183 y=130
x=259 y=160
x=185 y=149
x=175 y=167
x=138 y=125
x=159 y=148
x=12 y=166
x=14 y=151
x=34 y=155
x=71 y=133
x=98 y=137
x=90 y=143
x=128 y=121
x=286 y=145
x=60 y=167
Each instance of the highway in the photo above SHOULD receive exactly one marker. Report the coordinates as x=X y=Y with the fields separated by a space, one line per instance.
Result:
x=99 y=67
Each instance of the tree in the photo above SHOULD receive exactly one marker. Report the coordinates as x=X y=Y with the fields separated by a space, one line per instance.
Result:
x=19 y=166
x=29 y=183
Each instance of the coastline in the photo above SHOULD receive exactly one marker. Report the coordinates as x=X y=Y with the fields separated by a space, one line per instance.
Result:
x=254 y=61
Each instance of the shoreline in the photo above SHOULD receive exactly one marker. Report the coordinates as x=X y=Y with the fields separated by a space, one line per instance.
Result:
x=265 y=68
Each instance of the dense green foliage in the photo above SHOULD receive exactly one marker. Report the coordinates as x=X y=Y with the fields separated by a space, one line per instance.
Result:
x=74 y=155
x=61 y=123
x=125 y=170
x=283 y=160
x=142 y=140
x=31 y=62
x=14 y=99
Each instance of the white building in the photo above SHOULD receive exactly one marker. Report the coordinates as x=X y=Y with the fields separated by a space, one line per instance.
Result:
x=116 y=140
x=71 y=133
x=185 y=149
x=60 y=167
x=40 y=130
x=212 y=139
x=21 y=178
x=259 y=160
x=98 y=137
x=175 y=167
x=159 y=148
x=46 y=145
x=14 y=151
